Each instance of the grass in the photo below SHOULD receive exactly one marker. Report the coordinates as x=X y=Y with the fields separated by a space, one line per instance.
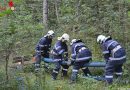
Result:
x=43 y=81
x=82 y=84
x=63 y=84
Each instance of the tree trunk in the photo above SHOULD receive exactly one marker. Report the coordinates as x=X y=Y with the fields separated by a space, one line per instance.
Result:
x=6 y=65
x=45 y=13
x=78 y=2
x=8 y=53
x=56 y=11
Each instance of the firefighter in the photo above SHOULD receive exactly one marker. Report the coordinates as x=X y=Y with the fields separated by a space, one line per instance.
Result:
x=43 y=48
x=80 y=56
x=60 y=53
x=114 y=55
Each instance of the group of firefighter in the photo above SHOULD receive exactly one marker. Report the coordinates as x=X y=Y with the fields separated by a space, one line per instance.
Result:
x=114 y=55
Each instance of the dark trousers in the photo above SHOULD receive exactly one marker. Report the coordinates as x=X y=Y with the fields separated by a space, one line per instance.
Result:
x=111 y=67
x=77 y=66
x=57 y=68
x=39 y=56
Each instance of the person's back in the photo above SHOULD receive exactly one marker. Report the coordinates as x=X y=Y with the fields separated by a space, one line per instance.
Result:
x=116 y=51
x=59 y=49
x=80 y=52
x=44 y=46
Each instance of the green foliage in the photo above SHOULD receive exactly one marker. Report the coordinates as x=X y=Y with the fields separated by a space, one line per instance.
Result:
x=29 y=68
x=83 y=19
x=6 y=12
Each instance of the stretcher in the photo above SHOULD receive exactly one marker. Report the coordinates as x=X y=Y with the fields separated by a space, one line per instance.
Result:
x=91 y=64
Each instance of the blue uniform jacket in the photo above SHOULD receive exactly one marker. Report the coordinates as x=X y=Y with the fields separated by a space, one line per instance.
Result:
x=44 y=45
x=80 y=52
x=60 y=49
x=112 y=50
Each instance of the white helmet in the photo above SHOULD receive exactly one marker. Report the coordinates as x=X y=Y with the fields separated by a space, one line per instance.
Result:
x=73 y=41
x=50 y=33
x=65 y=37
x=101 y=39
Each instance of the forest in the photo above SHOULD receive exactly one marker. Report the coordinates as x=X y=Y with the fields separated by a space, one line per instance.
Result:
x=24 y=22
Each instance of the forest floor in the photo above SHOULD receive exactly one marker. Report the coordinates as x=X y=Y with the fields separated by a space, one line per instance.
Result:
x=43 y=81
